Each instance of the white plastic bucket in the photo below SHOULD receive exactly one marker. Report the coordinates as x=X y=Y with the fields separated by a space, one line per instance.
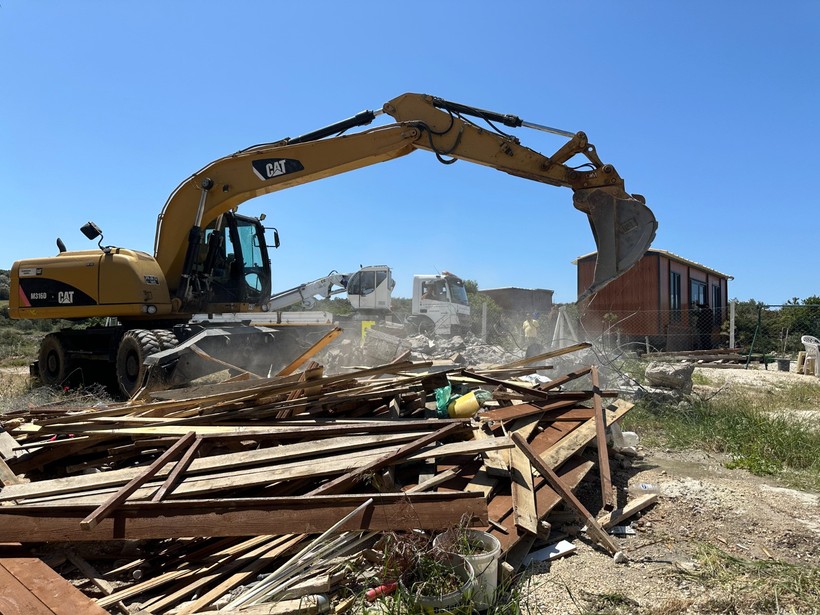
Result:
x=442 y=604
x=485 y=564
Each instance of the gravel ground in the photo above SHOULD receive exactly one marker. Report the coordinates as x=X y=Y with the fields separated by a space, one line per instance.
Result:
x=701 y=503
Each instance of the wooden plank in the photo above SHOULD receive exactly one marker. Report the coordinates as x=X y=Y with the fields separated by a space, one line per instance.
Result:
x=349 y=479
x=197 y=578
x=310 y=352
x=562 y=380
x=95 y=577
x=593 y=527
x=7 y=477
x=104 y=510
x=523 y=410
x=248 y=572
x=262 y=516
x=579 y=438
x=179 y=469
x=499 y=508
x=15 y=597
x=546 y=355
x=245 y=549
x=58 y=595
x=523 y=494
x=230 y=461
x=200 y=486
x=522 y=488
x=7 y=444
x=482 y=483
x=608 y=497
x=614 y=517
x=495 y=462
x=256 y=476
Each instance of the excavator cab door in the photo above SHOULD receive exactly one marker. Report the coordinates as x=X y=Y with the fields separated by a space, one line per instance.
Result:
x=240 y=271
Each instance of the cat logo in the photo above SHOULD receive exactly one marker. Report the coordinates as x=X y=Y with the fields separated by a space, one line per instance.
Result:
x=65 y=296
x=268 y=168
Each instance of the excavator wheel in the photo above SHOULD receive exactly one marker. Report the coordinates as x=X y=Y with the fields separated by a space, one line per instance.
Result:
x=134 y=347
x=166 y=338
x=52 y=364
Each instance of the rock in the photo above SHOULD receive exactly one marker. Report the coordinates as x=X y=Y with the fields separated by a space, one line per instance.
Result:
x=677 y=377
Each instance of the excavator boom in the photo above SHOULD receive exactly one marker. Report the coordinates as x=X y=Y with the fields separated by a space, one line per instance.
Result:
x=622 y=225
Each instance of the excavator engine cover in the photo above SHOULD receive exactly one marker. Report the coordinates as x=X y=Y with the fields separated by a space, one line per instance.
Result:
x=623 y=226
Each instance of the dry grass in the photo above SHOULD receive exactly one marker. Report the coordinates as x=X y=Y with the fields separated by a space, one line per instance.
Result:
x=14 y=383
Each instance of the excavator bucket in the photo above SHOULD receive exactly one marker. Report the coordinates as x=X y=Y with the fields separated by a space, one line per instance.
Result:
x=623 y=226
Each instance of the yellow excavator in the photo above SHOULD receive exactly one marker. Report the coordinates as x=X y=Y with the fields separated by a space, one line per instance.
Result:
x=210 y=259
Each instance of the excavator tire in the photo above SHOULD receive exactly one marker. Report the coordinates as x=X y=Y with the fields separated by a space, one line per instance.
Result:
x=135 y=345
x=52 y=363
x=166 y=338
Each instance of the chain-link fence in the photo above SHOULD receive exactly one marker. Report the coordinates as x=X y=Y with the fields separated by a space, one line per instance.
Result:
x=747 y=325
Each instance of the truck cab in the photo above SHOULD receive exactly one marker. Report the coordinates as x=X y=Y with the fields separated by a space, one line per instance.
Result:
x=440 y=304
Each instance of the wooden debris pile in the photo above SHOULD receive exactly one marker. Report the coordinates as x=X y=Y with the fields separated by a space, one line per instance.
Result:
x=217 y=484
x=714 y=357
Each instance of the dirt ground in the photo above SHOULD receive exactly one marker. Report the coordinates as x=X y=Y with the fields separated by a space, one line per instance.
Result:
x=701 y=503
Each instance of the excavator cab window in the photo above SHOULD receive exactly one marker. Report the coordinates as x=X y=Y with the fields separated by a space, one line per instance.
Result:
x=239 y=267
x=365 y=282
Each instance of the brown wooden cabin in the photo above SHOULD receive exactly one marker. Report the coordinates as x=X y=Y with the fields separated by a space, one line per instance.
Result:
x=666 y=300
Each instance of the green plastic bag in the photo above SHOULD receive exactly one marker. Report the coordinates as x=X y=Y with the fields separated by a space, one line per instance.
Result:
x=443 y=399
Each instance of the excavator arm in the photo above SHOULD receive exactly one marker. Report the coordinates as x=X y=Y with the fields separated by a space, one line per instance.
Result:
x=622 y=225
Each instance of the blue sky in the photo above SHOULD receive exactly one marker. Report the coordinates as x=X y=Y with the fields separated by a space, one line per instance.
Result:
x=709 y=109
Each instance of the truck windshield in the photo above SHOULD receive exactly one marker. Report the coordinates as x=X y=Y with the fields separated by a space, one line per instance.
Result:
x=458 y=293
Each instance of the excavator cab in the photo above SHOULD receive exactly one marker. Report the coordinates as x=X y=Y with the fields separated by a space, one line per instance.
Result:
x=236 y=267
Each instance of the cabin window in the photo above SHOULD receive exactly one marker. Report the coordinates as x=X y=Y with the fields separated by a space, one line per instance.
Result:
x=674 y=295
x=697 y=293
x=717 y=304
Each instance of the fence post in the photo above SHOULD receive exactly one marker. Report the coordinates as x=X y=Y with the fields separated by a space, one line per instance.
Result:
x=732 y=306
x=483 y=322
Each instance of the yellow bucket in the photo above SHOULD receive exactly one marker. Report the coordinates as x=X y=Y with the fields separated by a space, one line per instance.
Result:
x=464 y=406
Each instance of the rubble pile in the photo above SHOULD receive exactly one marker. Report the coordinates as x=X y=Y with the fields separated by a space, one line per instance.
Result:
x=290 y=489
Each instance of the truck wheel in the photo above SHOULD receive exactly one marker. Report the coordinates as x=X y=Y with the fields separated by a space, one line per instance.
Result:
x=52 y=364
x=134 y=347
x=426 y=326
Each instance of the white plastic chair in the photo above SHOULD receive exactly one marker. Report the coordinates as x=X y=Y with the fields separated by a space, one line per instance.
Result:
x=812 y=345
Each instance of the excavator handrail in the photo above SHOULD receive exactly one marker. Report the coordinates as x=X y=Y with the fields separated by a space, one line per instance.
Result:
x=622 y=225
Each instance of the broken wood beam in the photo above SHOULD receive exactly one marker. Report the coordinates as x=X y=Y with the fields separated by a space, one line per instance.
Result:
x=593 y=527
x=104 y=510
x=340 y=484
x=546 y=355
x=241 y=517
x=608 y=497
x=614 y=517
x=179 y=469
